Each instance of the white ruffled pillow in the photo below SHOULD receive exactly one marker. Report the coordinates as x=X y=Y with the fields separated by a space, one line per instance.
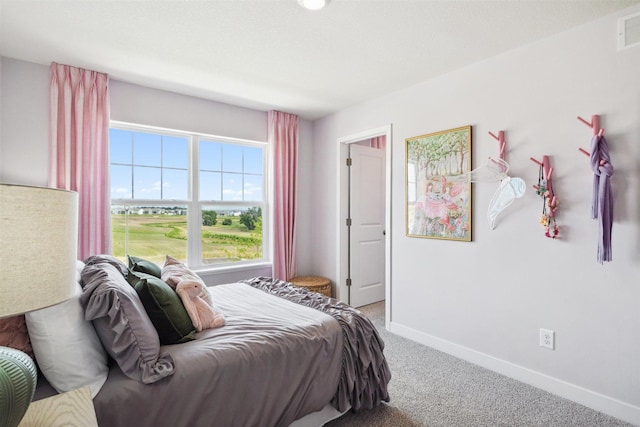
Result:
x=67 y=348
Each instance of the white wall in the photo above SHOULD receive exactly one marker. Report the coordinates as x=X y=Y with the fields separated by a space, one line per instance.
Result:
x=24 y=123
x=0 y=117
x=25 y=129
x=138 y=104
x=305 y=254
x=485 y=301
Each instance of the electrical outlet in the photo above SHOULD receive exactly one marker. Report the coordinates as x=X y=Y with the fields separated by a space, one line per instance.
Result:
x=547 y=338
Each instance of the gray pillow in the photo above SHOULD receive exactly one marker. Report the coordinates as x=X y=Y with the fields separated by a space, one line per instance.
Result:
x=122 y=324
x=108 y=259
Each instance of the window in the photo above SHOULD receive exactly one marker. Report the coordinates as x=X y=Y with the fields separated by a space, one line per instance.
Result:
x=198 y=198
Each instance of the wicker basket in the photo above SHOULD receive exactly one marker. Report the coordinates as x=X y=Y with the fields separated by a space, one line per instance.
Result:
x=318 y=284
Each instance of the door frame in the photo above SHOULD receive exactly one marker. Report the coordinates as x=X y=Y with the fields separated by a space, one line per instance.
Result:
x=342 y=202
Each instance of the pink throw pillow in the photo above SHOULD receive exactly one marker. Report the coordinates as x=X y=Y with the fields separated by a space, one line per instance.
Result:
x=173 y=271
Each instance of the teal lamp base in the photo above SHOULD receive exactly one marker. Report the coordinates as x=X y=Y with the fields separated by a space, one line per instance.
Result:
x=18 y=378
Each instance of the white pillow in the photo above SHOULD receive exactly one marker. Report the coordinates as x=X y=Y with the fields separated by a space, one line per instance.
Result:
x=67 y=348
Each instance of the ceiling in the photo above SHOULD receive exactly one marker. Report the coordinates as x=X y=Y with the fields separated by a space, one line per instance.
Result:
x=272 y=54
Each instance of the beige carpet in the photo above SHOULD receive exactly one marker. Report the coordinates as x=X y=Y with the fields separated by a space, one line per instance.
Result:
x=431 y=388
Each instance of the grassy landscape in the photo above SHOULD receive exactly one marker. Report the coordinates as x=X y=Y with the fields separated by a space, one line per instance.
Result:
x=154 y=236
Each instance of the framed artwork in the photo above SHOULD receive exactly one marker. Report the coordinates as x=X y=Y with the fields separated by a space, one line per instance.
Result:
x=438 y=186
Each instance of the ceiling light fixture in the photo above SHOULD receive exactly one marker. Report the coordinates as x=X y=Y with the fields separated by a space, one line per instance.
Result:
x=313 y=4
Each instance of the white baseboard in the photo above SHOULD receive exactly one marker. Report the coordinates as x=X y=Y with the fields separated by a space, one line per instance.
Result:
x=583 y=396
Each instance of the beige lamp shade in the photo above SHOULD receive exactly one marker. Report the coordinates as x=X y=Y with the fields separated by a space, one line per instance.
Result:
x=38 y=247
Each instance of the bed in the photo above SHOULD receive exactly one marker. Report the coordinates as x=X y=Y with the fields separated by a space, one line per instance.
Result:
x=285 y=357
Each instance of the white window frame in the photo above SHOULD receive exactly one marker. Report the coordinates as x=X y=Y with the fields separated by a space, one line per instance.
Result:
x=194 y=205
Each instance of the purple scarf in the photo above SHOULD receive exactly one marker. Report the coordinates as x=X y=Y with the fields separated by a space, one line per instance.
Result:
x=602 y=203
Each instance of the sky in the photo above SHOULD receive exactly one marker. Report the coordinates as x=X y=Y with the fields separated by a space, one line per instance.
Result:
x=154 y=166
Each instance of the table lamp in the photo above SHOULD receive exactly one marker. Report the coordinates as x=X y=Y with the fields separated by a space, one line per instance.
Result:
x=38 y=252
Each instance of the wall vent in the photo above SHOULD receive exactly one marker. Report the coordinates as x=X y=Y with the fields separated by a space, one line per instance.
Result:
x=629 y=31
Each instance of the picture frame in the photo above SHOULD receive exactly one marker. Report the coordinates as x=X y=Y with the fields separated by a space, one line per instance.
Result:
x=438 y=188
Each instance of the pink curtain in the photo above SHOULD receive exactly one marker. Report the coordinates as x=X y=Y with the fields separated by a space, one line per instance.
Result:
x=283 y=137
x=379 y=142
x=79 y=156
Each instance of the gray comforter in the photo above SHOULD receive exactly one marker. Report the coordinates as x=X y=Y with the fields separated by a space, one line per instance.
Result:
x=365 y=373
x=273 y=362
x=283 y=353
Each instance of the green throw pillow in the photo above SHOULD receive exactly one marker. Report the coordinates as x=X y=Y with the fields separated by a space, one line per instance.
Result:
x=144 y=266
x=164 y=307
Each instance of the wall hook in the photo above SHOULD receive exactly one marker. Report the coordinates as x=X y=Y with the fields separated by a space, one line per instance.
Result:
x=550 y=201
x=547 y=172
x=594 y=124
x=501 y=143
x=597 y=130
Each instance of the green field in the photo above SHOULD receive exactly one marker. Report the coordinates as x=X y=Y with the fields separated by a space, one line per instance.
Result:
x=154 y=236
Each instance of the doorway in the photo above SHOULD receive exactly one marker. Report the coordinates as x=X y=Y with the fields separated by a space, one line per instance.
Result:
x=346 y=267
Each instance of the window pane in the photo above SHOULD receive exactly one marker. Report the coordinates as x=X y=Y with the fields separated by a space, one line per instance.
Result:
x=149 y=232
x=210 y=186
x=146 y=183
x=231 y=186
x=231 y=234
x=120 y=150
x=210 y=156
x=253 y=160
x=175 y=184
x=252 y=188
x=121 y=182
x=232 y=158
x=149 y=168
x=175 y=153
x=147 y=149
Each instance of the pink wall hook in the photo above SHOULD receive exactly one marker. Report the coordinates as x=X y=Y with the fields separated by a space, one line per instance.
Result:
x=550 y=202
x=501 y=142
x=535 y=187
x=594 y=124
x=547 y=172
x=586 y=153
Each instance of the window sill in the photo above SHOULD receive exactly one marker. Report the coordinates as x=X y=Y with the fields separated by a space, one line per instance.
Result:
x=213 y=271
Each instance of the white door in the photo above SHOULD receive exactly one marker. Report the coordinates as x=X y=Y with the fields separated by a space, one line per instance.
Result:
x=367 y=233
